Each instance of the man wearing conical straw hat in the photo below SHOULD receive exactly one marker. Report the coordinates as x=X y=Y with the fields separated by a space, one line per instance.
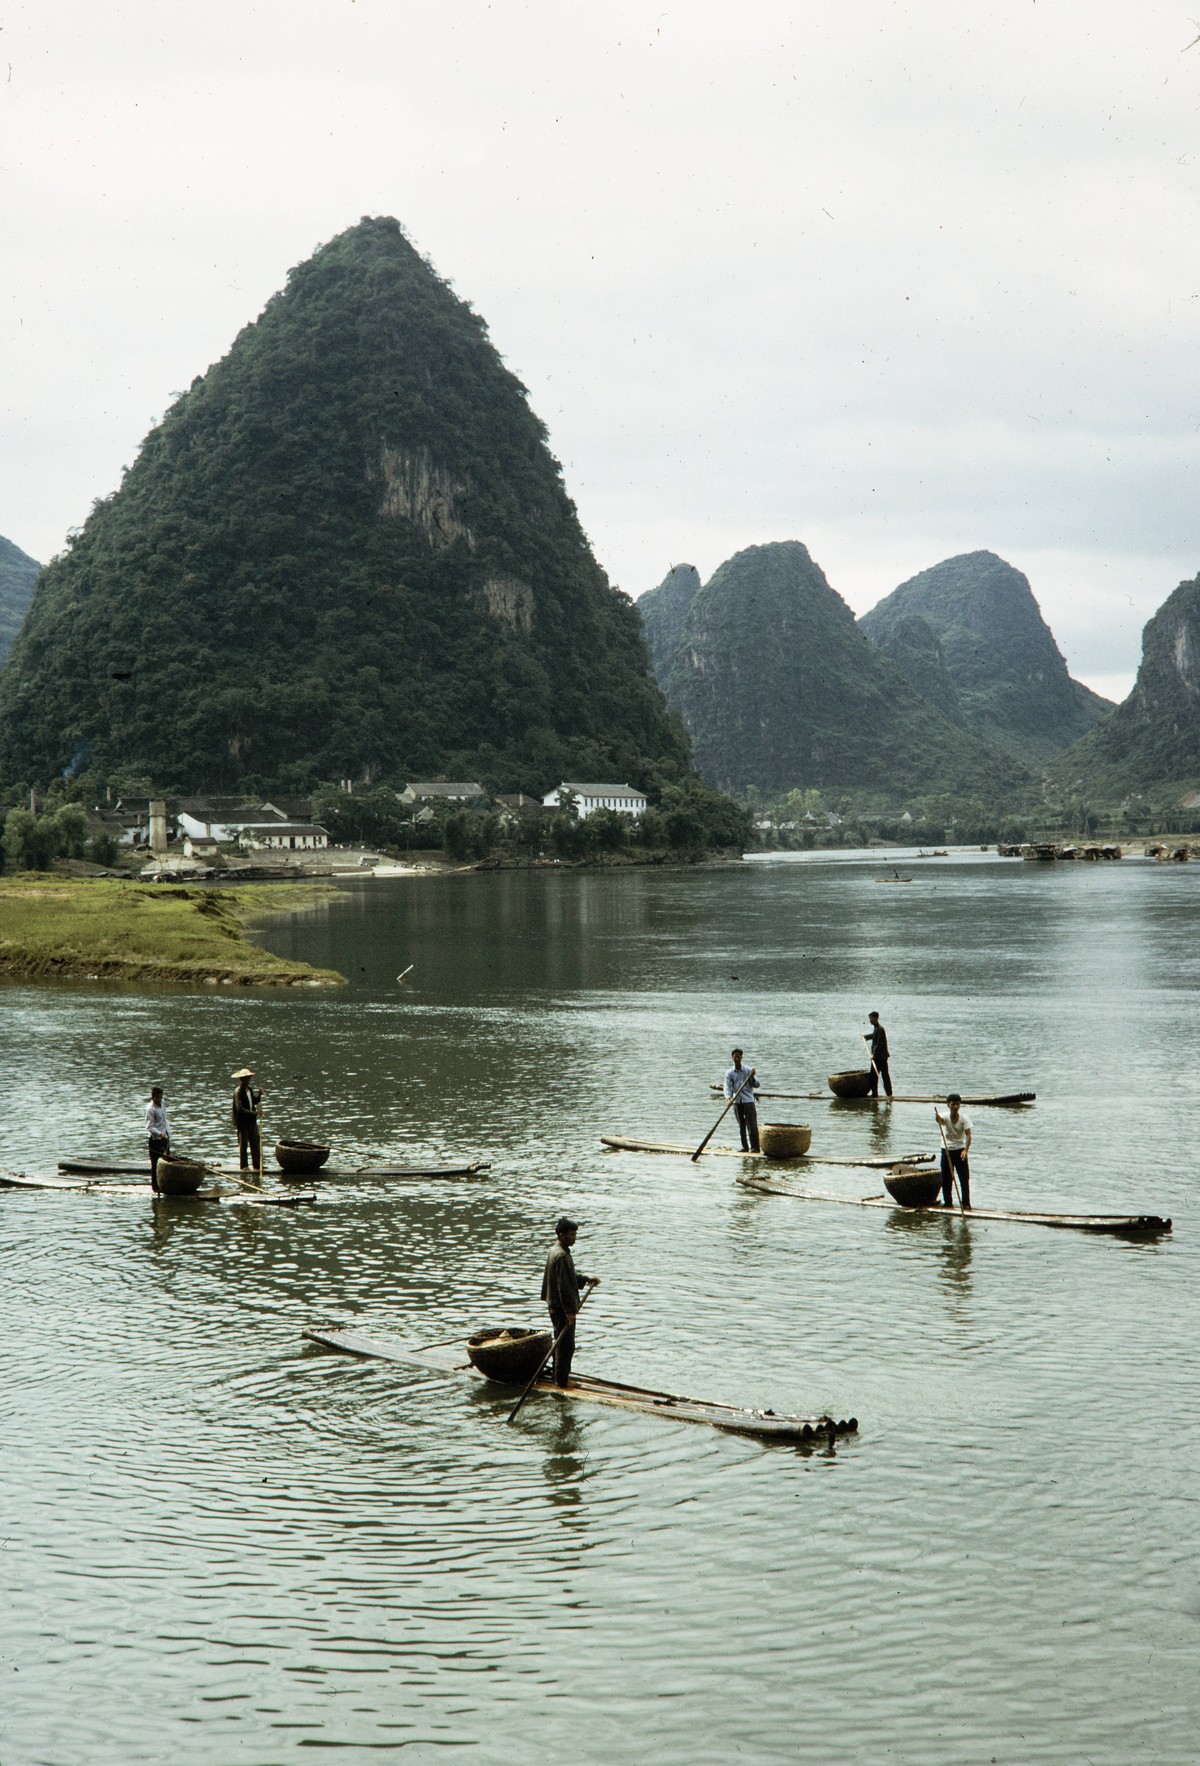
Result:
x=246 y=1105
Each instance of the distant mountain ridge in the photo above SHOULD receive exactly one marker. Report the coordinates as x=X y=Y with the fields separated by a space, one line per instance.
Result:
x=346 y=551
x=982 y=650
x=18 y=573
x=1152 y=739
x=779 y=688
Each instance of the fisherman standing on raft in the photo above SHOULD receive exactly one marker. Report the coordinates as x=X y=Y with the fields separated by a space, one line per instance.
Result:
x=246 y=1106
x=879 y=1056
x=560 y=1290
x=741 y=1084
x=158 y=1133
x=956 y=1139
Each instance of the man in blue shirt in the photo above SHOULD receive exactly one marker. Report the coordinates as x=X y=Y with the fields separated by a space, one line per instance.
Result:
x=741 y=1083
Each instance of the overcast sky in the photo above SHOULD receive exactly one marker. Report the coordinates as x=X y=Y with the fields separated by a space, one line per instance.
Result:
x=897 y=280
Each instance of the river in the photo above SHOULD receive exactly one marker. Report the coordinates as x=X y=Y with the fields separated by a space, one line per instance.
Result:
x=220 y=1544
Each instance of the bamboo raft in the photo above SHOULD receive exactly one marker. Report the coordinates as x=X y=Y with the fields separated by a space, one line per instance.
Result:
x=1001 y=1100
x=623 y=1144
x=763 y=1425
x=93 y=1168
x=1125 y=1226
x=17 y=1180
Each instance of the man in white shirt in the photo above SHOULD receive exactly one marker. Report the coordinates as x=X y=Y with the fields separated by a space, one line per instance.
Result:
x=741 y=1084
x=956 y=1144
x=158 y=1132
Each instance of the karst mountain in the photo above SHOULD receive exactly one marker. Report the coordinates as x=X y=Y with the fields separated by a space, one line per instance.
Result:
x=18 y=573
x=1152 y=740
x=779 y=688
x=970 y=636
x=346 y=551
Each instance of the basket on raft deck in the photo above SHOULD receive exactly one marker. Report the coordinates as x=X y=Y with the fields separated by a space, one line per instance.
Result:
x=785 y=1140
x=850 y=1085
x=180 y=1177
x=300 y=1157
x=913 y=1189
x=511 y=1356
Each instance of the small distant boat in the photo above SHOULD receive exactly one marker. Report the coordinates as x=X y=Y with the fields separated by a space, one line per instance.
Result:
x=300 y=1158
x=851 y=1085
x=764 y=1425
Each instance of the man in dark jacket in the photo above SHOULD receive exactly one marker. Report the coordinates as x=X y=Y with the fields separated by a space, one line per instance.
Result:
x=879 y=1056
x=560 y=1290
x=247 y=1102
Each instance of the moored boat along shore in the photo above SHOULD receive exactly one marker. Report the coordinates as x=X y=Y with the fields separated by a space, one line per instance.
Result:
x=107 y=929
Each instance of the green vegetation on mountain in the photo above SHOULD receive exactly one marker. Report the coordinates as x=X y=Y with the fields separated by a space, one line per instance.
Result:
x=664 y=612
x=1151 y=743
x=1008 y=674
x=346 y=551
x=18 y=573
x=779 y=688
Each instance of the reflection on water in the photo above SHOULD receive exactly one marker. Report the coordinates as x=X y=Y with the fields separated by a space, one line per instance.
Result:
x=221 y=1544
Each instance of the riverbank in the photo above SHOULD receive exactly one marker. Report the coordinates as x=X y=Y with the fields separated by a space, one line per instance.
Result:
x=106 y=929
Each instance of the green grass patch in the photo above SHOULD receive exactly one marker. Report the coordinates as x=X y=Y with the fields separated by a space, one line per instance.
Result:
x=106 y=929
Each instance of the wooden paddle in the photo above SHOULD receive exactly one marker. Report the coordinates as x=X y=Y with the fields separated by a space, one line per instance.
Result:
x=549 y=1357
x=949 y=1161
x=724 y=1113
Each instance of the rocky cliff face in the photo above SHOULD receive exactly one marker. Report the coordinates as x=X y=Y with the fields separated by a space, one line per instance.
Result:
x=18 y=573
x=346 y=551
x=1151 y=740
x=779 y=688
x=664 y=612
x=1007 y=673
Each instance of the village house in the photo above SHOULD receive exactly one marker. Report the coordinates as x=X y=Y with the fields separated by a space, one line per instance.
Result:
x=625 y=799
x=443 y=791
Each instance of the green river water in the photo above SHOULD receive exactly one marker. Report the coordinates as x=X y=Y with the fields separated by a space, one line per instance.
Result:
x=220 y=1544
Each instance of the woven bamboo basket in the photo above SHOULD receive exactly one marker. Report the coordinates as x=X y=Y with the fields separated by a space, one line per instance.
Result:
x=913 y=1189
x=850 y=1085
x=785 y=1140
x=180 y=1177
x=510 y=1356
x=301 y=1158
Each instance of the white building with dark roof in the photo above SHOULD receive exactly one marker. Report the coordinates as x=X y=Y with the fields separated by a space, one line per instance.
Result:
x=626 y=800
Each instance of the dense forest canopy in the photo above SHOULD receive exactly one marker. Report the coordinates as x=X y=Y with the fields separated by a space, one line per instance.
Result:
x=18 y=573
x=346 y=551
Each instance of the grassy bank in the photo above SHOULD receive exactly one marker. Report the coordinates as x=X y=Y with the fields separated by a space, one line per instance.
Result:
x=105 y=929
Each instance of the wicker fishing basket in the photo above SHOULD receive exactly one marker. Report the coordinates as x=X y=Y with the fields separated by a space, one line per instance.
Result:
x=850 y=1085
x=510 y=1356
x=785 y=1140
x=180 y=1177
x=913 y=1189
x=301 y=1158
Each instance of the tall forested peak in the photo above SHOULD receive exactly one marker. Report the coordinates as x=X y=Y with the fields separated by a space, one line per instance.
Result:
x=345 y=551
x=663 y=611
x=779 y=688
x=1012 y=683
x=1152 y=739
x=18 y=573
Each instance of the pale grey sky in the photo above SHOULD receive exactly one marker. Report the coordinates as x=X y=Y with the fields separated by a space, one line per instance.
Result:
x=897 y=280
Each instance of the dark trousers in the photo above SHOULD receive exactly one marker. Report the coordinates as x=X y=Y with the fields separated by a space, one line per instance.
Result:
x=565 y=1333
x=958 y=1158
x=248 y=1157
x=160 y=1148
x=747 y=1121
x=879 y=1070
